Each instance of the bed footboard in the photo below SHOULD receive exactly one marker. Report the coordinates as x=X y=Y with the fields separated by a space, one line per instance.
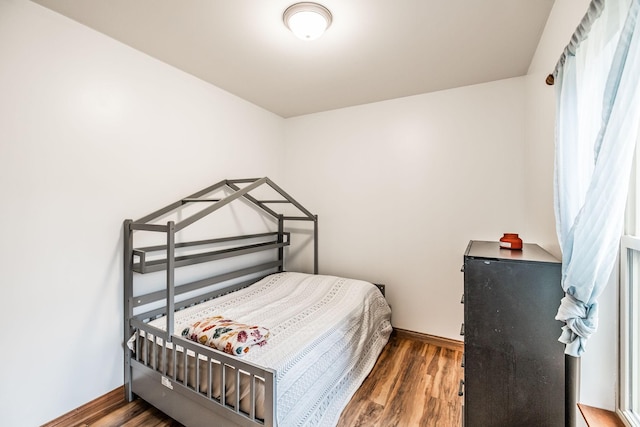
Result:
x=183 y=377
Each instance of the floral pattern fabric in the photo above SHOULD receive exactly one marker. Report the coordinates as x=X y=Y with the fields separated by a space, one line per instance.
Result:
x=226 y=335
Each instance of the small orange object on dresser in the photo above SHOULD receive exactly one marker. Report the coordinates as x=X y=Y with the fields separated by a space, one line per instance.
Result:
x=511 y=241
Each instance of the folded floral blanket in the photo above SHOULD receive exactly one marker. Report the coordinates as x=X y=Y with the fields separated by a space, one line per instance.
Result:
x=226 y=335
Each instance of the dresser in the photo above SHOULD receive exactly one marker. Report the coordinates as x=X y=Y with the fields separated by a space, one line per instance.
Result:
x=515 y=370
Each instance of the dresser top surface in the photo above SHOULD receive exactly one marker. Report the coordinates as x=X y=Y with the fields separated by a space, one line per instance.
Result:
x=530 y=252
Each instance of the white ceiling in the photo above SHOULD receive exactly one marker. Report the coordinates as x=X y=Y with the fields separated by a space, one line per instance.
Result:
x=374 y=50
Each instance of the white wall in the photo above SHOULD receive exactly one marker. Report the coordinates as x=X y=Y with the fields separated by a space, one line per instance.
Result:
x=93 y=132
x=401 y=187
x=599 y=363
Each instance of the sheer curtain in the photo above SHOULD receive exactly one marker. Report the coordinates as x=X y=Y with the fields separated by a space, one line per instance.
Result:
x=597 y=117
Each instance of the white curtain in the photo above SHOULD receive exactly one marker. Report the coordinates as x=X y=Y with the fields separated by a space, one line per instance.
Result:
x=597 y=118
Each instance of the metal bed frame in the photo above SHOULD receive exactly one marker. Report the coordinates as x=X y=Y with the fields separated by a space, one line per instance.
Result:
x=145 y=373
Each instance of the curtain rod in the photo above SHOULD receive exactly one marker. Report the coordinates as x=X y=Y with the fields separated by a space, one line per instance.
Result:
x=580 y=34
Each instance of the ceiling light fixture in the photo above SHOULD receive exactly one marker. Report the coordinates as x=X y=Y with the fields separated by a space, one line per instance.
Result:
x=307 y=20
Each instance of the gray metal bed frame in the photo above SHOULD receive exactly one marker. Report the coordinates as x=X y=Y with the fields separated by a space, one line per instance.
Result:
x=145 y=373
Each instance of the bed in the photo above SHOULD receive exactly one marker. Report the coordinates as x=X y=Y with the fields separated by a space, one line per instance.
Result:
x=312 y=338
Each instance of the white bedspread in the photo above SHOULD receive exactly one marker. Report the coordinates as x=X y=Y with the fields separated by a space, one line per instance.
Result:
x=326 y=335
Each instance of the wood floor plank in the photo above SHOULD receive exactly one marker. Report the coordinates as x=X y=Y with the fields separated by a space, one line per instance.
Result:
x=446 y=372
x=121 y=416
x=439 y=412
x=366 y=414
x=95 y=409
x=151 y=418
x=381 y=384
x=414 y=382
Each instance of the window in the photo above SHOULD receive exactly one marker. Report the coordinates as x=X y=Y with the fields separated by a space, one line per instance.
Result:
x=629 y=334
x=629 y=321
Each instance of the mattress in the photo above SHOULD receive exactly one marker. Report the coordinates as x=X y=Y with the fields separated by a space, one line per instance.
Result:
x=326 y=333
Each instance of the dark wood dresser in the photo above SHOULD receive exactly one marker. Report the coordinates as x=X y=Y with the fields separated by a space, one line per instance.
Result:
x=515 y=370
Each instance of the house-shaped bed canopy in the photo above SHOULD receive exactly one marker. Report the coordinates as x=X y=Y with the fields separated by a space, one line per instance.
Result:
x=189 y=210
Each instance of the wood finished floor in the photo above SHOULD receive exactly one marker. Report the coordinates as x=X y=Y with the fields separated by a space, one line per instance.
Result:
x=414 y=383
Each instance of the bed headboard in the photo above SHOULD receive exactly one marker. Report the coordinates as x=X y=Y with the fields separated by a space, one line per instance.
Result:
x=172 y=254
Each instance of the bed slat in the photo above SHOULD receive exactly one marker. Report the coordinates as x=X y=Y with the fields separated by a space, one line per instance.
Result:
x=144 y=266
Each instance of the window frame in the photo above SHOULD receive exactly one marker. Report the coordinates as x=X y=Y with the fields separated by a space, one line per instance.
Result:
x=628 y=335
x=629 y=332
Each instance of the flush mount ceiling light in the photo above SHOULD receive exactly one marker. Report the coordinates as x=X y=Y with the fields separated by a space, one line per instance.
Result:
x=307 y=20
